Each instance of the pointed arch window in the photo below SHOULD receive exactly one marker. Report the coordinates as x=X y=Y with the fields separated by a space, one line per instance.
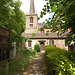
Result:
x=31 y=19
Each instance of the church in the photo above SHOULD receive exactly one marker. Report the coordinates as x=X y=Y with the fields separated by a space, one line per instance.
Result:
x=40 y=37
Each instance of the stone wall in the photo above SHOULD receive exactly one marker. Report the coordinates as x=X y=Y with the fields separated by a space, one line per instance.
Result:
x=60 y=43
x=34 y=28
x=57 y=42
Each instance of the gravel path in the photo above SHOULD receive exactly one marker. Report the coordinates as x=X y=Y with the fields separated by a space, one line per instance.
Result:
x=36 y=65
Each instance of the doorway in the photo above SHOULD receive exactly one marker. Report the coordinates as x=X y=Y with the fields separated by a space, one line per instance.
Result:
x=42 y=46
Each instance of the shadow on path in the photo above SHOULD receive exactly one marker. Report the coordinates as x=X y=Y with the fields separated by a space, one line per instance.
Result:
x=36 y=65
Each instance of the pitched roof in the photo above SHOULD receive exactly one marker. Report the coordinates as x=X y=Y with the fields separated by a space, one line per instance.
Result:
x=41 y=25
x=44 y=36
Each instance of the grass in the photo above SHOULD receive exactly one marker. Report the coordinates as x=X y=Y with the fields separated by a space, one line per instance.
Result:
x=20 y=63
x=45 y=68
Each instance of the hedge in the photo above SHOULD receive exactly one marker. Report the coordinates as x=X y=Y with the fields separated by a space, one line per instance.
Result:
x=60 y=61
x=37 y=47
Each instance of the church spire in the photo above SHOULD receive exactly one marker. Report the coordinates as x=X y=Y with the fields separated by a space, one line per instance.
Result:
x=32 y=9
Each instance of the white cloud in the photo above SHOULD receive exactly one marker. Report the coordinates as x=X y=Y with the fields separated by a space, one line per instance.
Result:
x=39 y=4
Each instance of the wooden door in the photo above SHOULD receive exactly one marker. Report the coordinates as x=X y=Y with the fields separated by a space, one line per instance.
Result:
x=42 y=46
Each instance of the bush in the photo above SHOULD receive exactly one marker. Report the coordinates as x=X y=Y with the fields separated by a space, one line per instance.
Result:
x=60 y=61
x=37 y=47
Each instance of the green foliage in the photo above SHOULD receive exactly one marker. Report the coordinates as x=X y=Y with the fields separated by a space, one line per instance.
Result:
x=25 y=39
x=54 y=8
x=37 y=47
x=45 y=27
x=20 y=63
x=47 y=32
x=59 y=61
x=39 y=29
x=33 y=34
x=18 y=18
x=63 y=18
x=12 y=17
x=4 y=11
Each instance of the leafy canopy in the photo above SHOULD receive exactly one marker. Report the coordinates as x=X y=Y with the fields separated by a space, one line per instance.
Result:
x=12 y=17
x=63 y=18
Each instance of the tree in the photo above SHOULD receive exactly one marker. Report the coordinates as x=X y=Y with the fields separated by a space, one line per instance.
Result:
x=4 y=11
x=12 y=17
x=63 y=18
x=25 y=39
x=18 y=18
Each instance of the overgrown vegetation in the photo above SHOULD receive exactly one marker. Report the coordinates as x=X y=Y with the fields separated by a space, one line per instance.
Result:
x=60 y=61
x=37 y=47
x=20 y=63
x=12 y=17
x=63 y=18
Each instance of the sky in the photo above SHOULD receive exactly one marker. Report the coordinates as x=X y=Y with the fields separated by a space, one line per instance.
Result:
x=39 y=4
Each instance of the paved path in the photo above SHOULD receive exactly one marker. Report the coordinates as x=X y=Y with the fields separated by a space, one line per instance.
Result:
x=35 y=67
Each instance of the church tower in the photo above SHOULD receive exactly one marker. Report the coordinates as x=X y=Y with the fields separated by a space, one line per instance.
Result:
x=32 y=9
x=31 y=19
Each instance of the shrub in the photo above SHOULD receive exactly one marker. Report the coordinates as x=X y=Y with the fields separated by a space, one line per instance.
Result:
x=37 y=47
x=60 y=61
